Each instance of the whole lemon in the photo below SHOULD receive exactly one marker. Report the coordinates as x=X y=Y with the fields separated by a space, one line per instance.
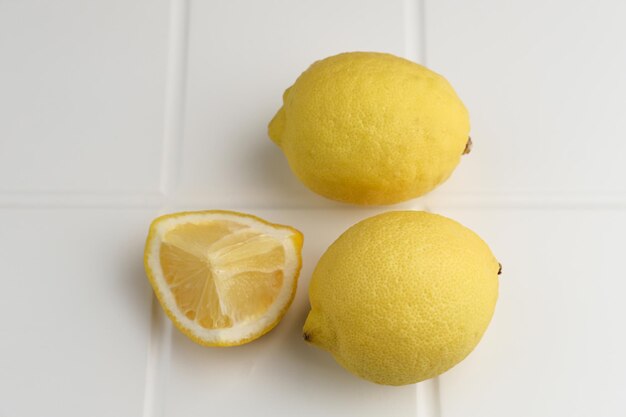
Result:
x=371 y=128
x=402 y=297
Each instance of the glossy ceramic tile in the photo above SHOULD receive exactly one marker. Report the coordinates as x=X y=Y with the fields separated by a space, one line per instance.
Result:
x=544 y=85
x=74 y=312
x=82 y=88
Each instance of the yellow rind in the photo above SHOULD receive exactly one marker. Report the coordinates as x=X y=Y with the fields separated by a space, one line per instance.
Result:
x=371 y=128
x=297 y=238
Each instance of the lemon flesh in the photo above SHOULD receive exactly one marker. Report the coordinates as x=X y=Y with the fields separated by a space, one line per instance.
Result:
x=402 y=297
x=371 y=128
x=224 y=278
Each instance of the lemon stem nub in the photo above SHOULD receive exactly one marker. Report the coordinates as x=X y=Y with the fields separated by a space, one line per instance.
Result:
x=468 y=146
x=499 y=268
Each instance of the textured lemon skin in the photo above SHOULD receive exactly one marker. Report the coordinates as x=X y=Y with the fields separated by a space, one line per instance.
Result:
x=402 y=297
x=371 y=128
x=297 y=238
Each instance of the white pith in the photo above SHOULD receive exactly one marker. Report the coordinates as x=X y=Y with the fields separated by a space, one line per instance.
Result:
x=241 y=330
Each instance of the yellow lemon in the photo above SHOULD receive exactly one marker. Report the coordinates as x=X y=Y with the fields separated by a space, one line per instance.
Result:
x=223 y=278
x=371 y=128
x=402 y=297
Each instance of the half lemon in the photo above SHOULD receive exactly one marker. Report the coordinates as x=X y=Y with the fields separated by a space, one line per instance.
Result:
x=224 y=278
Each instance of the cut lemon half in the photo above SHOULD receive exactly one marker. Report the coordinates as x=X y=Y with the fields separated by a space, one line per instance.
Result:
x=223 y=278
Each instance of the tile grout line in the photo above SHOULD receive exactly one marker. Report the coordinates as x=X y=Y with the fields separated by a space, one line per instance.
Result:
x=159 y=353
x=428 y=398
x=421 y=16
x=49 y=200
x=415 y=30
x=154 y=200
x=157 y=363
x=176 y=82
x=412 y=35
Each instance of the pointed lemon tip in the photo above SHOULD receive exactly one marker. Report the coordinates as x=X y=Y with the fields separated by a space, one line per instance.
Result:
x=316 y=332
x=276 y=126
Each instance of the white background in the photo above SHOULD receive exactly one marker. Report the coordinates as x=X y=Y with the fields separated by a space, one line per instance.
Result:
x=112 y=112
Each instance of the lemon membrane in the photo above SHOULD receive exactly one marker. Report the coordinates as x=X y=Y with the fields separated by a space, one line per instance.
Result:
x=223 y=278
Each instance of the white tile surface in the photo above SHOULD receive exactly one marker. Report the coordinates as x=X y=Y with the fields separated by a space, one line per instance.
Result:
x=82 y=89
x=544 y=85
x=74 y=312
x=111 y=111
x=555 y=346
